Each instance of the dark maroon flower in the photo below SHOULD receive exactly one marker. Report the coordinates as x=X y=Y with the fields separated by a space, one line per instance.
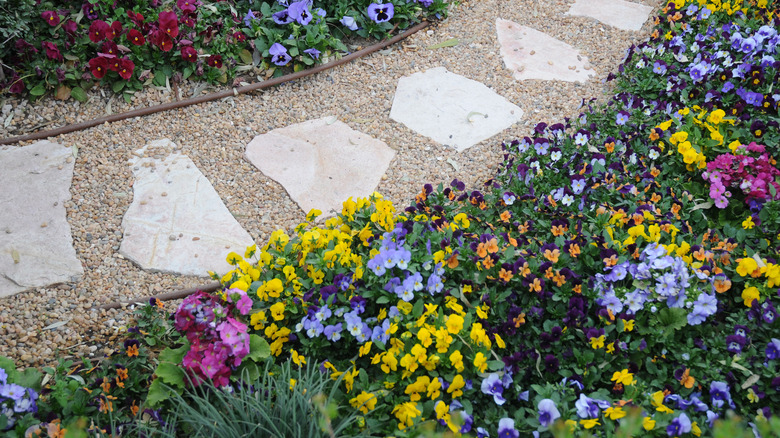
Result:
x=17 y=85
x=136 y=18
x=98 y=66
x=52 y=52
x=126 y=67
x=114 y=31
x=188 y=53
x=169 y=23
x=187 y=5
x=70 y=27
x=113 y=63
x=25 y=48
x=109 y=48
x=135 y=37
x=98 y=30
x=89 y=10
x=215 y=61
x=551 y=363
x=239 y=36
x=51 y=18
x=60 y=74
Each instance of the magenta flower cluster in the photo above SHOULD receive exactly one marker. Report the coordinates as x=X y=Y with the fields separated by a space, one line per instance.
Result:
x=749 y=171
x=218 y=341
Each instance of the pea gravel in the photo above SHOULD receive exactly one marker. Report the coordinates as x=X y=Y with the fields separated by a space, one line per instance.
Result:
x=214 y=136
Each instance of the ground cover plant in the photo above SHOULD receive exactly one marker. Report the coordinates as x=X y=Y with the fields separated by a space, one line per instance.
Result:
x=618 y=277
x=65 y=47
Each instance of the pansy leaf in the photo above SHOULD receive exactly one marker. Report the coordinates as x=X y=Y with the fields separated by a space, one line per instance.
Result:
x=38 y=90
x=417 y=310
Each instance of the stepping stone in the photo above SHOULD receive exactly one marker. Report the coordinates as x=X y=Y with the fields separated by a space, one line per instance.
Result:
x=531 y=54
x=321 y=163
x=451 y=109
x=36 y=247
x=616 y=13
x=177 y=222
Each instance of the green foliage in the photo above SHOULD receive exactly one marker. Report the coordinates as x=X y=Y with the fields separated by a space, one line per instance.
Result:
x=286 y=401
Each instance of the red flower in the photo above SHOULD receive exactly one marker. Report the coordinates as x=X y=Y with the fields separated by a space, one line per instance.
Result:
x=138 y=19
x=99 y=66
x=187 y=5
x=52 y=52
x=113 y=64
x=135 y=37
x=215 y=61
x=169 y=23
x=70 y=26
x=188 y=53
x=165 y=43
x=51 y=17
x=109 y=48
x=239 y=36
x=98 y=30
x=114 y=31
x=126 y=67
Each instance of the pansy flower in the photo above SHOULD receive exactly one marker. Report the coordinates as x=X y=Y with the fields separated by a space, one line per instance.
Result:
x=381 y=12
x=279 y=55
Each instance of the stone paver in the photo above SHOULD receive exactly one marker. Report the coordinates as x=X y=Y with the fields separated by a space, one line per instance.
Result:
x=177 y=222
x=36 y=247
x=531 y=54
x=451 y=109
x=321 y=163
x=617 y=13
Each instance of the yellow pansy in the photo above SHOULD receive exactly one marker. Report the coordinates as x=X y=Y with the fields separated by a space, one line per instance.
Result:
x=277 y=311
x=648 y=423
x=623 y=377
x=748 y=223
x=615 y=413
x=590 y=423
x=454 y=324
x=365 y=401
x=749 y=295
x=480 y=362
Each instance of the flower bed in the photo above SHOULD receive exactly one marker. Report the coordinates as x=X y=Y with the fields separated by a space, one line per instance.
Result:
x=618 y=276
x=66 y=47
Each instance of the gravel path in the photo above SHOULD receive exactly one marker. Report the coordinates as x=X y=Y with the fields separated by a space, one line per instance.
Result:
x=215 y=134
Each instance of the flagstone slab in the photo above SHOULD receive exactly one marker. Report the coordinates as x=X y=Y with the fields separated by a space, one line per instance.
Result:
x=616 y=13
x=451 y=109
x=177 y=222
x=321 y=163
x=531 y=54
x=36 y=246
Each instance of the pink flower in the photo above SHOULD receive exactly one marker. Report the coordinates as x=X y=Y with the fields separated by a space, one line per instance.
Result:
x=244 y=304
x=211 y=365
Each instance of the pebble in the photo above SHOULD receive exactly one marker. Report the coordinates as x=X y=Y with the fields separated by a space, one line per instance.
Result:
x=214 y=135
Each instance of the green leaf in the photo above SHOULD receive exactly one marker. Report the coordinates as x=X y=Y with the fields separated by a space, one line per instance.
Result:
x=383 y=300
x=417 y=310
x=248 y=371
x=9 y=367
x=449 y=43
x=158 y=393
x=495 y=365
x=246 y=56
x=258 y=348
x=128 y=97
x=79 y=94
x=30 y=378
x=672 y=319
x=174 y=356
x=171 y=374
x=118 y=86
x=38 y=90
